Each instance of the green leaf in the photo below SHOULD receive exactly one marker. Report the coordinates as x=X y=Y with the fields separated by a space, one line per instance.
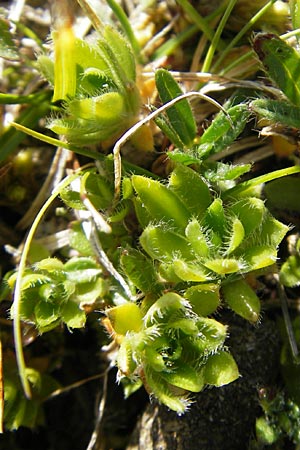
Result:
x=250 y=212
x=283 y=195
x=46 y=316
x=122 y=51
x=142 y=213
x=224 y=266
x=49 y=265
x=125 y=318
x=217 y=171
x=186 y=326
x=94 y=82
x=8 y=49
x=220 y=369
x=125 y=362
x=19 y=411
x=154 y=359
x=185 y=377
x=72 y=315
x=107 y=109
x=164 y=307
x=130 y=386
x=165 y=245
x=167 y=273
x=190 y=271
x=214 y=218
x=88 y=293
x=99 y=190
x=236 y=235
x=265 y=432
x=34 y=280
x=78 y=240
x=290 y=271
x=197 y=238
x=204 y=298
x=242 y=300
x=277 y=112
x=221 y=133
x=161 y=203
x=259 y=256
x=186 y=157
x=180 y=115
x=281 y=62
x=163 y=123
x=295 y=13
x=71 y=198
x=87 y=56
x=161 y=389
x=212 y=335
x=272 y=231
x=190 y=187
x=82 y=270
x=140 y=270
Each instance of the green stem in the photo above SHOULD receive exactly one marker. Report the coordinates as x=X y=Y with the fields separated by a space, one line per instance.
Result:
x=237 y=62
x=16 y=99
x=11 y=138
x=249 y=184
x=216 y=38
x=18 y=287
x=57 y=142
x=80 y=151
x=170 y=46
x=123 y=19
x=194 y=15
x=251 y=54
x=241 y=33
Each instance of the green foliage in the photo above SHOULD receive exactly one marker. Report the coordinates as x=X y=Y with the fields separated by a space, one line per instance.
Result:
x=277 y=112
x=223 y=243
x=18 y=410
x=289 y=202
x=53 y=292
x=289 y=364
x=281 y=61
x=8 y=48
x=223 y=131
x=98 y=87
x=281 y=419
x=178 y=123
x=200 y=233
x=176 y=350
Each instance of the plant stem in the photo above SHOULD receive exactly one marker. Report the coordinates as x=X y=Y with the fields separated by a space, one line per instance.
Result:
x=170 y=46
x=18 y=287
x=194 y=15
x=241 y=33
x=216 y=38
x=123 y=19
x=249 y=184
x=80 y=150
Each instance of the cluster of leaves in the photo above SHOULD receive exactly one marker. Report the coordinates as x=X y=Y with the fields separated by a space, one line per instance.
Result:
x=201 y=239
x=20 y=411
x=54 y=292
x=281 y=419
x=96 y=83
x=290 y=270
x=172 y=349
x=201 y=234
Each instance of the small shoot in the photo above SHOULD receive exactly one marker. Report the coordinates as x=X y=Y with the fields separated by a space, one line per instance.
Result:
x=281 y=62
